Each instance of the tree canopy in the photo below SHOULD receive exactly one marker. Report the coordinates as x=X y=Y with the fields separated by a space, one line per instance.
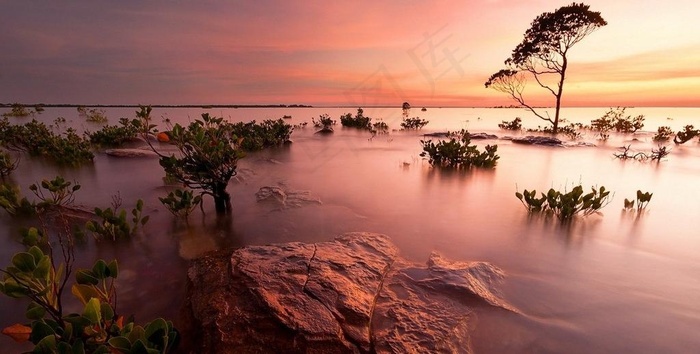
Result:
x=543 y=52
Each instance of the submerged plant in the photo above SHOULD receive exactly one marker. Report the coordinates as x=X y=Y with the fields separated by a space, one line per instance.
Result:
x=358 y=121
x=663 y=133
x=515 y=124
x=37 y=139
x=181 y=202
x=115 y=135
x=208 y=155
x=252 y=136
x=19 y=111
x=114 y=225
x=413 y=123
x=54 y=193
x=655 y=155
x=642 y=201
x=457 y=153
x=324 y=122
x=92 y=115
x=7 y=164
x=565 y=205
x=688 y=133
x=14 y=203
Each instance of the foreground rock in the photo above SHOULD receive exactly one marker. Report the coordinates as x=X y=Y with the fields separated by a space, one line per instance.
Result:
x=351 y=295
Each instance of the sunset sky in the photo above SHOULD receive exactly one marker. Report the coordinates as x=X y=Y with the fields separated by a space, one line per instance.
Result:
x=355 y=53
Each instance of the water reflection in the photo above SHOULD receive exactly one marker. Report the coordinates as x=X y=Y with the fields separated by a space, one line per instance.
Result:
x=601 y=283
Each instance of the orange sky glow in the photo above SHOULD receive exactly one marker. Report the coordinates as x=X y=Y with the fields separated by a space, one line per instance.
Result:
x=327 y=53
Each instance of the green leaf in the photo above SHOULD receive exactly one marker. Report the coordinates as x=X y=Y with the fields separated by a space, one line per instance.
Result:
x=41 y=331
x=35 y=311
x=24 y=261
x=84 y=292
x=85 y=276
x=92 y=311
x=47 y=344
x=120 y=343
x=100 y=270
x=106 y=311
x=113 y=269
x=43 y=269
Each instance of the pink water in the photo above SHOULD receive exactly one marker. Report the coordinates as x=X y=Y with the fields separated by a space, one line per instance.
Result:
x=608 y=283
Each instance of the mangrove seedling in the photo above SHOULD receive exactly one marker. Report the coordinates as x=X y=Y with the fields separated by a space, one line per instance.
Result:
x=58 y=192
x=12 y=201
x=113 y=224
x=457 y=153
x=181 y=202
x=358 y=121
x=565 y=205
x=324 y=123
x=642 y=201
x=92 y=115
x=688 y=133
x=7 y=164
x=663 y=133
x=515 y=124
x=413 y=123
x=115 y=135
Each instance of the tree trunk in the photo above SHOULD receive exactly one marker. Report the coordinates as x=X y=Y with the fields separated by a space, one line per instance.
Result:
x=222 y=200
x=559 y=94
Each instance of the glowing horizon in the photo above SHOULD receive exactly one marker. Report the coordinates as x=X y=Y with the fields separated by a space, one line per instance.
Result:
x=274 y=52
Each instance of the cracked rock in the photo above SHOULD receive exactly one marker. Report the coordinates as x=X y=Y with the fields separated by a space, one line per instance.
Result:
x=351 y=295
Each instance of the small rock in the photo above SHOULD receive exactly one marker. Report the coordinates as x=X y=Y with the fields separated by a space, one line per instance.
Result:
x=130 y=153
x=537 y=140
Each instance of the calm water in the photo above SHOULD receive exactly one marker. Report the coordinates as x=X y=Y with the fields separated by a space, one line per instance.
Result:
x=608 y=283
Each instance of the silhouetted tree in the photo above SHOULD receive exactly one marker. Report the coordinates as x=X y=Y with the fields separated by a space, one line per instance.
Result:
x=543 y=53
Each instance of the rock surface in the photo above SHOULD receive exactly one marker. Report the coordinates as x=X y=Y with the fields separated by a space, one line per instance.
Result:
x=283 y=197
x=351 y=295
x=130 y=153
x=538 y=140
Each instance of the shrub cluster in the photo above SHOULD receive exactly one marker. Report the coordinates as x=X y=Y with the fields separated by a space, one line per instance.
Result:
x=457 y=153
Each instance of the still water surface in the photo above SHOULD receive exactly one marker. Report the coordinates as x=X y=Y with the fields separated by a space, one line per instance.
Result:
x=608 y=283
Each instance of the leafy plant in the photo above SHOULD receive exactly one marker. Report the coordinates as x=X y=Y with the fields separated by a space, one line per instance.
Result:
x=7 y=164
x=181 y=202
x=663 y=133
x=571 y=130
x=18 y=111
x=457 y=153
x=208 y=154
x=37 y=139
x=380 y=128
x=254 y=136
x=358 y=121
x=97 y=328
x=92 y=115
x=325 y=122
x=515 y=124
x=112 y=224
x=565 y=205
x=642 y=201
x=12 y=201
x=688 y=133
x=413 y=123
x=58 y=192
x=115 y=135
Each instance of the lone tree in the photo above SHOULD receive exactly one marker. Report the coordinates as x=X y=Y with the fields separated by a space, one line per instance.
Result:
x=543 y=54
x=208 y=155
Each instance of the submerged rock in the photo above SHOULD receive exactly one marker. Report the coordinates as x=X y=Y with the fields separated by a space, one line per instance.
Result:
x=481 y=136
x=351 y=295
x=538 y=140
x=130 y=153
x=285 y=198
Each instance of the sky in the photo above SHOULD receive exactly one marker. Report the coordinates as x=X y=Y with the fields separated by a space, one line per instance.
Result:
x=327 y=53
